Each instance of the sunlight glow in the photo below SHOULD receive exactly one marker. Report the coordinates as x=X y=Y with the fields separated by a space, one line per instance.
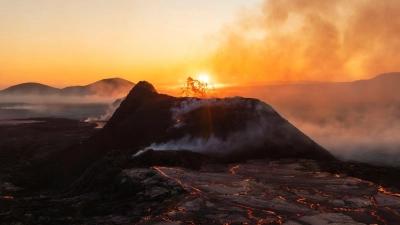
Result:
x=204 y=78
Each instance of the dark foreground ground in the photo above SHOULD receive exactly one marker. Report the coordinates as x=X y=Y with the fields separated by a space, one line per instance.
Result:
x=181 y=187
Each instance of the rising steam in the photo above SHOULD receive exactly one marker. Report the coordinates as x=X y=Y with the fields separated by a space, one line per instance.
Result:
x=256 y=131
x=101 y=120
x=355 y=121
x=369 y=135
x=310 y=40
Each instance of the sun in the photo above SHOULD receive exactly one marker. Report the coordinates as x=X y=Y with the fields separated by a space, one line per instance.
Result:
x=204 y=78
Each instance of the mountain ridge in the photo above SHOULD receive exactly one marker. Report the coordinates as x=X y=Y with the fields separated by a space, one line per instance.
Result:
x=109 y=87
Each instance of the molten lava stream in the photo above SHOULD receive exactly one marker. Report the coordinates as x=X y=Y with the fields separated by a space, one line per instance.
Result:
x=372 y=199
x=364 y=181
x=198 y=191
x=7 y=197
x=348 y=210
x=250 y=211
x=233 y=169
x=392 y=211
x=165 y=175
x=195 y=190
x=318 y=192
x=302 y=201
x=386 y=192
x=250 y=214
x=374 y=214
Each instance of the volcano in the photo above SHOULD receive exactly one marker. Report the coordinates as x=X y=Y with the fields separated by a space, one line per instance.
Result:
x=229 y=129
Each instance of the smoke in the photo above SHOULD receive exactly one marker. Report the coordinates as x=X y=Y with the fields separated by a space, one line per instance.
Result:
x=53 y=99
x=369 y=135
x=256 y=130
x=101 y=120
x=105 y=117
x=354 y=120
x=310 y=40
x=191 y=104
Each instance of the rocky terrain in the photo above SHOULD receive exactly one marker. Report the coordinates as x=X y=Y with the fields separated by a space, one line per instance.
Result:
x=180 y=187
x=29 y=148
x=165 y=160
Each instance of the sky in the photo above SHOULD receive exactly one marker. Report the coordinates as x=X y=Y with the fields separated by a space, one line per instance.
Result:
x=61 y=42
x=77 y=42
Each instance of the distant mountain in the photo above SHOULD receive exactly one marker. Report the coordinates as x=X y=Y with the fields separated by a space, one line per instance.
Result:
x=113 y=87
x=30 y=88
x=392 y=78
x=107 y=87
x=381 y=89
x=387 y=82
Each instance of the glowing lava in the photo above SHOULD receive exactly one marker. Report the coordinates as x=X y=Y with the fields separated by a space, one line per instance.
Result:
x=213 y=190
x=386 y=192
x=8 y=197
x=233 y=169
x=373 y=213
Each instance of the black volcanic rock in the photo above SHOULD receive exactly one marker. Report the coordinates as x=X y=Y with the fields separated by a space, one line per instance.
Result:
x=230 y=129
x=136 y=97
x=102 y=173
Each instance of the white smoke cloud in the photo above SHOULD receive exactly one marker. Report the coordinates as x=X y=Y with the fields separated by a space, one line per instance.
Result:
x=191 y=104
x=371 y=136
x=256 y=132
x=105 y=117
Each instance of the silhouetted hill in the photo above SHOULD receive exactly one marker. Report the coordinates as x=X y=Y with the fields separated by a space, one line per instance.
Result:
x=30 y=89
x=387 y=78
x=229 y=129
x=106 y=87
x=381 y=90
x=113 y=87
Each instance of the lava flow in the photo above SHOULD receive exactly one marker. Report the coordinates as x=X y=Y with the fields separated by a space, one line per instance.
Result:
x=311 y=205
x=348 y=210
x=226 y=197
x=165 y=175
x=386 y=192
x=7 y=197
x=233 y=169
x=374 y=214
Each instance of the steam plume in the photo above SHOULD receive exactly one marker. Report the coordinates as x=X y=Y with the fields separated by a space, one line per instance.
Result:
x=108 y=114
x=310 y=40
x=255 y=133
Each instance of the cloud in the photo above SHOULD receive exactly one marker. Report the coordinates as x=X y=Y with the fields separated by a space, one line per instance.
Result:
x=256 y=130
x=369 y=134
x=309 y=40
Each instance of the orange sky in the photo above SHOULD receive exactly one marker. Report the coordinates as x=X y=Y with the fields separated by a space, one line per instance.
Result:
x=63 y=43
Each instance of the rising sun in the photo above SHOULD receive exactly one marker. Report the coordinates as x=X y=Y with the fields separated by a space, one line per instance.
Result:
x=204 y=78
